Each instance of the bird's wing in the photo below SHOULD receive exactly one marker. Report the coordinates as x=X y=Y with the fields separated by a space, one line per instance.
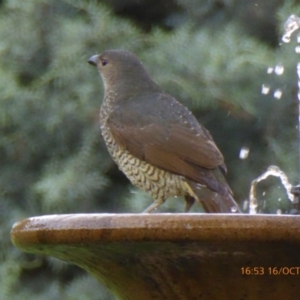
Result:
x=161 y=131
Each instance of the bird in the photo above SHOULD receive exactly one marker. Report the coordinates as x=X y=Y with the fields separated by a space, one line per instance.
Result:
x=156 y=141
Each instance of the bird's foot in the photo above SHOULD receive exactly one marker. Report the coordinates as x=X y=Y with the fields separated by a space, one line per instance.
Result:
x=189 y=201
x=152 y=207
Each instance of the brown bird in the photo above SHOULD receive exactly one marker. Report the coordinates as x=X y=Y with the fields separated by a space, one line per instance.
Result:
x=155 y=140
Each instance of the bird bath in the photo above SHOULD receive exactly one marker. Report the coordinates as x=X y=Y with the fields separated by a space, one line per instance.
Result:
x=175 y=256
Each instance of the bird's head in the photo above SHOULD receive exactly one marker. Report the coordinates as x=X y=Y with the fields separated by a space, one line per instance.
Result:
x=120 y=69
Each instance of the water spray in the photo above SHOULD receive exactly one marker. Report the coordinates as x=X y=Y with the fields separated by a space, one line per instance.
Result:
x=293 y=192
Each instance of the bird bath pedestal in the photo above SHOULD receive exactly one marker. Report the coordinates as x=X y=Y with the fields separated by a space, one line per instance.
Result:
x=175 y=256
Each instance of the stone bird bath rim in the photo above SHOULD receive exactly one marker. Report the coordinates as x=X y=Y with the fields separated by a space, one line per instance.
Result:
x=174 y=256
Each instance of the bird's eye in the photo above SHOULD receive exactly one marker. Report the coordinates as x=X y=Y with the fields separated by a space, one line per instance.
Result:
x=104 y=62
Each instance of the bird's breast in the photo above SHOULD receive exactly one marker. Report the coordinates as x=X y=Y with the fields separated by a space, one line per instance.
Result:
x=160 y=183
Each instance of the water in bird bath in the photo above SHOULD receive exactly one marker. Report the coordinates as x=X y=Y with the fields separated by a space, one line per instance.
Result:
x=291 y=26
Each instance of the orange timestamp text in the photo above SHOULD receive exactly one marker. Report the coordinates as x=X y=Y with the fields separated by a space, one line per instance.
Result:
x=258 y=271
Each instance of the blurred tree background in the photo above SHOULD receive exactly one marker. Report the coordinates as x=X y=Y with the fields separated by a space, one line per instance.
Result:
x=212 y=55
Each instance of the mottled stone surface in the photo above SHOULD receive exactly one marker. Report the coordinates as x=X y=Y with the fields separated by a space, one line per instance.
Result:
x=174 y=256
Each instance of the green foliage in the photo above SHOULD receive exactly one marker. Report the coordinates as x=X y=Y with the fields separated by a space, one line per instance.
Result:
x=53 y=159
x=197 y=67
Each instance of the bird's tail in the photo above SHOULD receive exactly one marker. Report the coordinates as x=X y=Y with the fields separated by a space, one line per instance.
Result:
x=212 y=201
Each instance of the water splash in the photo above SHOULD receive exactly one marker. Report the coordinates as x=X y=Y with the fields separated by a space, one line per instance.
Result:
x=271 y=171
x=291 y=25
x=277 y=70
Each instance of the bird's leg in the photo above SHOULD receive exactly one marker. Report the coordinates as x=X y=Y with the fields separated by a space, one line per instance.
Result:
x=153 y=206
x=189 y=201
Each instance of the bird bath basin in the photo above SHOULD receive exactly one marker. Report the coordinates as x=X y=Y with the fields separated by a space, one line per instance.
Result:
x=175 y=256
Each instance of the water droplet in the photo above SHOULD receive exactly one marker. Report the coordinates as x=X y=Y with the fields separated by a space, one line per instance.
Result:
x=244 y=152
x=270 y=70
x=298 y=70
x=297 y=49
x=277 y=93
x=292 y=24
x=265 y=89
x=233 y=209
x=286 y=38
x=279 y=69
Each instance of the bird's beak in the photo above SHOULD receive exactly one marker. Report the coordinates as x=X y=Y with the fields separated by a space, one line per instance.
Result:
x=93 y=60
